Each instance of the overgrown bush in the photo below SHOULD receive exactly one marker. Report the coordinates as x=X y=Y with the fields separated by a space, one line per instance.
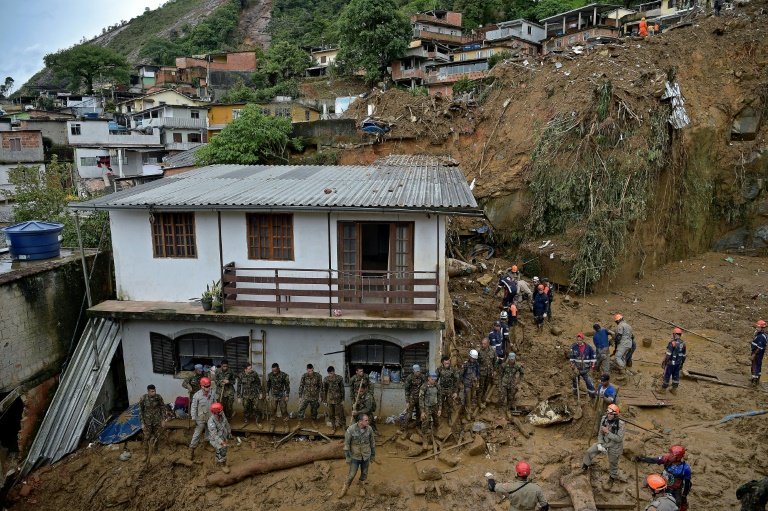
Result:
x=463 y=85
x=498 y=57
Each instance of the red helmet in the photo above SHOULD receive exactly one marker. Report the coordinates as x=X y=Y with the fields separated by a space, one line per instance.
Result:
x=522 y=469
x=205 y=382
x=580 y=336
x=217 y=408
x=760 y=324
x=612 y=408
x=514 y=268
x=656 y=482
x=676 y=452
x=678 y=331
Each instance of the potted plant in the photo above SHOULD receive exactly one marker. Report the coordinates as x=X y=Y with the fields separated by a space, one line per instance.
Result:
x=218 y=305
x=207 y=299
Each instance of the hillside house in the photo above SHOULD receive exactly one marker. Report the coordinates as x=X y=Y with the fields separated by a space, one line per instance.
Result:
x=321 y=59
x=438 y=26
x=219 y=115
x=470 y=62
x=104 y=149
x=663 y=12
x=581 y=26
x=181 y=127
x=329 y=265
x=521 y=37
x=158 y=98
x=19 y=147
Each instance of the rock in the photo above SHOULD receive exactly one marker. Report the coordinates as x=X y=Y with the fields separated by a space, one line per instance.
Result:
x=416 y=438
x=25 y=490
x=448 y=459
x=477 y=447
x=647 y=342
x=555 y=330
x=746 y=124
x=386 y=489
x=419 y=488
x=430 y=472
x=735 y=239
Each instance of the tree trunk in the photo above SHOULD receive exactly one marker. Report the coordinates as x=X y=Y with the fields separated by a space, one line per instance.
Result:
x=580 y=490
x=278 y=461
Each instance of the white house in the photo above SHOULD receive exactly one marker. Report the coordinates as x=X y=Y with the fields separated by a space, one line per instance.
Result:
x=181 y=127
x=103 y=148
x=519 y=29
x=329 y=265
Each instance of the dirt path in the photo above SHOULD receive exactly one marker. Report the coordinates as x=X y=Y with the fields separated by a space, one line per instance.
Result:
x=706 y=294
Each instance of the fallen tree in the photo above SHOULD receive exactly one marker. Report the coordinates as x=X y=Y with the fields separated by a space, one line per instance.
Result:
x=580 y=490
x=332 y=451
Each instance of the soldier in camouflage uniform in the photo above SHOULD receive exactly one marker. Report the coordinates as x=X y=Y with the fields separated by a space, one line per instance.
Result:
x=486 y=358
x=355 y=382
x=365 y=405
x=219 y=433
x=309 y=392
x=333 y=397
x=278 y=391
x=151 y=414
x=413 y=383
x=250 y=392
x=192 y=382
x=225 y=387
x=470 y=377
x=429 y=402
x=511 y=374
x=448 y=385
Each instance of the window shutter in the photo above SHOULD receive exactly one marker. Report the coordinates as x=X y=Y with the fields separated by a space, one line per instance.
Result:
x=236 y=352
x=163 y=354
x=416 y=354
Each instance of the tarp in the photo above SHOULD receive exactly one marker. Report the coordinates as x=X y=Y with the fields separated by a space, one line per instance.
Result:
x=123 y=427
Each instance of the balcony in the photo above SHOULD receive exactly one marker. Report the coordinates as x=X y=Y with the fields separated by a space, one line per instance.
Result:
x=172 y=122
x=291 y=291
x=403 y=74
x=436 y=36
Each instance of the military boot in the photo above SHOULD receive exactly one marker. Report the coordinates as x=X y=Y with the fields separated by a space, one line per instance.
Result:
x=344 y=490
x=192 y=453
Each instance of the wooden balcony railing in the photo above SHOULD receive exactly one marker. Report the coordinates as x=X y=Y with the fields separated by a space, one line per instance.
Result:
x=284 y=289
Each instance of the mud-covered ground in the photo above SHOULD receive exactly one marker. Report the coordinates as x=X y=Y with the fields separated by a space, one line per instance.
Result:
x=707 y=294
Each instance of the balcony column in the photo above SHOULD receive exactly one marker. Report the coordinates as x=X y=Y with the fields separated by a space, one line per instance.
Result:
x=120 y=163
x=563 y=25
x=579 y=25
x=594 y=16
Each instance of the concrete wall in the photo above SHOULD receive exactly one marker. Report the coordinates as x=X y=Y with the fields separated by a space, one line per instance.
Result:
x=140 y=276
x=131 y=163
x=292 y=347
x=30 y=147
x=332 y=131
x=96 y=133
x=55 y=131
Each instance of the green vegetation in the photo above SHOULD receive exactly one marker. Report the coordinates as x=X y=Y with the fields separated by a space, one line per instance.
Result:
x=241 y=93
x=372 y=33
x=44 y=196
x=498 y=57
x=82 y=64
x=463 y=85
x=252 y=138
x=6 y=87
x=217 y=32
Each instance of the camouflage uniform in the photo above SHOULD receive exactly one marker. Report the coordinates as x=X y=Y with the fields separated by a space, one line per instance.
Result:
x=366 y=405
x=429 y=402
x=192 y=383
x=249 y=390
x=412 y=385
x=470 y=376
x=448 y=384
x=218 y=432
x=486 y=357
x=226 y=391
x=151 y=411
x=355 y=384
x=510 y=375
x=333 y=395
x=278 y=390
x=309 y=394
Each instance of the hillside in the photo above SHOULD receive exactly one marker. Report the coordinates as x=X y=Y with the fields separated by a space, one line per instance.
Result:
x=576 y=149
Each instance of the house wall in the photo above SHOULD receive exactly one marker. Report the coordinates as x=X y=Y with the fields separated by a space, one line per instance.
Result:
x=178 y=279
x=55 y=131
x=238 y=61
x=132 y=163
x=30 y=147
x=222 y=114
x=293 y=347
x=520 y=30
x=97 y=133
x=5 y=167
x=578 y=37
x=168 y=97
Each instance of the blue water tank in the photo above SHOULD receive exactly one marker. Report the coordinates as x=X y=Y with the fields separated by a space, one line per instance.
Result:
x=33 y=240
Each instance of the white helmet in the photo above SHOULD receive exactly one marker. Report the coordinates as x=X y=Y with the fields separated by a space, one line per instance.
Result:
x=503 y=315
x=473 y=354
x=535 y=279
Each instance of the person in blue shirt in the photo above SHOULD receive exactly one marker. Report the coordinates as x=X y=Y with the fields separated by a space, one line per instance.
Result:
x=673 y=360
x=540 y=305
x=582 y=361
x=676 y=471
x=496 y=339
x=758 y=351
x=602 y=348
x=607 y=392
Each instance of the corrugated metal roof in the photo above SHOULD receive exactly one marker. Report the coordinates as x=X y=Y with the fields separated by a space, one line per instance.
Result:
x=426 y=187
x=182 y=159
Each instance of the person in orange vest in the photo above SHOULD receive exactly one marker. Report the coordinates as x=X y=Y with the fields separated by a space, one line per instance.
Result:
x=643 y=28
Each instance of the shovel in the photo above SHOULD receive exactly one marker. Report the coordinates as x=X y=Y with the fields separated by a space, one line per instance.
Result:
x=578 y=413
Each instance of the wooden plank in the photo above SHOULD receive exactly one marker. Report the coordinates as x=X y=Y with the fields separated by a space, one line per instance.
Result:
x=720 y=377
x=643 y=398
x=385 y=306
x=316 y=281
x=273 y=291
x=355 y=293
x=274 y=304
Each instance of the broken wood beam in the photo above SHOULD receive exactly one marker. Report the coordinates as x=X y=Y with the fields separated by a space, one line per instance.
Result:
x=316 y=432
x=680 y=327
x=446 y=449
x=579 y=489
x=287 y=437
x=601 y=506
x=241 y=471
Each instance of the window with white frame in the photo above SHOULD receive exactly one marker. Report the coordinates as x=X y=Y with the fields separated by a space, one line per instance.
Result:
x=75 y=129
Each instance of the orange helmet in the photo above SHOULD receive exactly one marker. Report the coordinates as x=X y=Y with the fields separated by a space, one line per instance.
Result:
x=656 y=482
x=618 y=317
x=580 y=336
x=540 y=287
x=522 y=469
x=678 y=331
x=760 y=324
x=217 y=408
x=205 y=382
x=676 y=452
x=613 y=409
x=514 y=268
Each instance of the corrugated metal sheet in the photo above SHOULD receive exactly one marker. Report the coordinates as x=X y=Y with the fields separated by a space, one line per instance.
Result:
x=432 y=187
x=81 y=383
x=182 y=159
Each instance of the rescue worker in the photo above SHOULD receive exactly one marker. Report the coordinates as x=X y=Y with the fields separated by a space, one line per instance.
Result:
x=602 y=348
x=192 y=383
x=470 y=378
x=199 y=412
x=487 y=361
x=504 y=322
x=355 y=382
x=758 y=351
x=660 y=499
x=523 y=494
x=365 y=404
x=511 y=374
x=151 y=415
x=218 y=434
x=225 y=387
x=448 y=386
x=524 y=295
x=643 y=28
x=249 y=393
x=333 y=398
x=549 y=291
x=278 y=391
x=514 y=272
x=623 y=339
x=676 y=472
x=509 y=286
x=359 y=451
x=429 y=403
x=674 y=358
x=610 y=440
x=540 y=306
x=582 y=362
x=413 y=383
x=496 y=339
x=310 y=386
x=607 y=392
